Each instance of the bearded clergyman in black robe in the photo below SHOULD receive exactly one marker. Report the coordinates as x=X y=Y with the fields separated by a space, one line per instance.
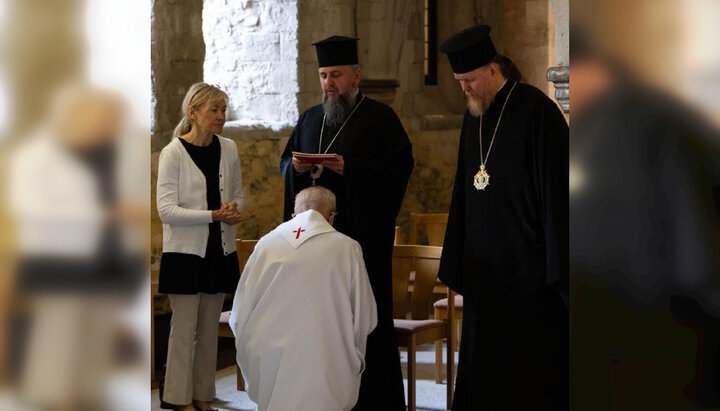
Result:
x=368 y=176
x=506 y=242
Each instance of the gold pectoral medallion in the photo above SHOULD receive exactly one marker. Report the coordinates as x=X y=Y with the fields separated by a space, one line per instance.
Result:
x=482 y=178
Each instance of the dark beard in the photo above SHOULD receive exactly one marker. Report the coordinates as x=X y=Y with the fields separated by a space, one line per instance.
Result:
x=337 y=111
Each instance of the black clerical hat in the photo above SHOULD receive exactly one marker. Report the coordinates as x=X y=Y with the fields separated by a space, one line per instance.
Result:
x=336 y=51
x=469 y=49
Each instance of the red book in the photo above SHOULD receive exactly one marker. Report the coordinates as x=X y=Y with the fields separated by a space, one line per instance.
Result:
x=315 y=158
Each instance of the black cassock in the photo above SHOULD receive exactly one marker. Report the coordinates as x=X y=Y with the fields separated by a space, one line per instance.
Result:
x=506 y=250
x=378 y=162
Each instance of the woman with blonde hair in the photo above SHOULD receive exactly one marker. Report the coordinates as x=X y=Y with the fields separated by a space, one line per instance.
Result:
x=199 y=195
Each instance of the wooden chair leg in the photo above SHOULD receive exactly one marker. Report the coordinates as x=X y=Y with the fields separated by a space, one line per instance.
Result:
x=438 y=362
x=458 y=334
x=411 y=374
x=438 y=355
x=450 y=359
x=240 y=379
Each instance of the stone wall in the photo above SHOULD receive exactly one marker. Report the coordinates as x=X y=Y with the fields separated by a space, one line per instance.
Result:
x=431 y=183
x=251 y=53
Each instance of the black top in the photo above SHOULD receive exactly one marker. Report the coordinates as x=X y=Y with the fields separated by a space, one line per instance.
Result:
x=378 y=162
x=505 y=250
x=182 y=273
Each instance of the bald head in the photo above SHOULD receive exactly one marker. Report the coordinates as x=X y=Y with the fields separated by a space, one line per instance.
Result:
x=316 y=198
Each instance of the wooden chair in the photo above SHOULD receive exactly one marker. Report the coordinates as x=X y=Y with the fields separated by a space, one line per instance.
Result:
x=435 y=225
x=244 y=249
x=418 y=329
x=441 y=313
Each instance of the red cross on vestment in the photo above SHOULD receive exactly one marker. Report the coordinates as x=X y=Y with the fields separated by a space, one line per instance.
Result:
x=298 y=231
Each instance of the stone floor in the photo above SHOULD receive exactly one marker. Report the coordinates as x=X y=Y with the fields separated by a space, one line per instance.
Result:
x=430 y=396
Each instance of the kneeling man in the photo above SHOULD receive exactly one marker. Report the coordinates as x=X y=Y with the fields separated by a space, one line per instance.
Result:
x=302 y=312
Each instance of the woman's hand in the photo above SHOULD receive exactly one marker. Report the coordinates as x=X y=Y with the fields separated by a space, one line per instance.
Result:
x=227 y=214
x=233 y=218
x=221 y=214
x=230 y=206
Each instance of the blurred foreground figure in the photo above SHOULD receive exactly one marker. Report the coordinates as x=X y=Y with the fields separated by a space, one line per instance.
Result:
x=77 y=195
x=644 y=244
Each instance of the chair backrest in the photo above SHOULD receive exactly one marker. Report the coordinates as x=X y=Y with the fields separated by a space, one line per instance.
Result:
x=435 y=225
x=244 y=249
x=424 y=260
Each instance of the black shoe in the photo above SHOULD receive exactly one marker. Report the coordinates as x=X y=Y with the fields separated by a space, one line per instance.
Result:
x=203 y=409
x=167 y=406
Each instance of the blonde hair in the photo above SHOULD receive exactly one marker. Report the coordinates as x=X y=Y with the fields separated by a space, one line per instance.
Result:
x=197 y=96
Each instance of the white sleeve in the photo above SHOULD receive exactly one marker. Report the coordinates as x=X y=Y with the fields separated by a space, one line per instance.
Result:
x=168 y=187
x=362 y=301
x=238 y=195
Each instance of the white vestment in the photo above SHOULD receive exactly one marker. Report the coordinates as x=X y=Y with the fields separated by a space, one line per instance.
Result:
x=301 y=316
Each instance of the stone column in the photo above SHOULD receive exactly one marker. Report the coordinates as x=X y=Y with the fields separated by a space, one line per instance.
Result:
x=559 y=74
x=178 y=53
x=382 y=27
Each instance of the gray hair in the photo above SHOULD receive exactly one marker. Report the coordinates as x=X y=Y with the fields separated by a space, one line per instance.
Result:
x=197 y=96
x=316 y=198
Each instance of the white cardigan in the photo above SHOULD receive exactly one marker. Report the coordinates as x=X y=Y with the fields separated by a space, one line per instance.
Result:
x=182 y=198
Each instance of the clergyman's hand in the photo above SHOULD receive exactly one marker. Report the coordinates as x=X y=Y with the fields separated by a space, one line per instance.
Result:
x=337 y=166
x=300 y=166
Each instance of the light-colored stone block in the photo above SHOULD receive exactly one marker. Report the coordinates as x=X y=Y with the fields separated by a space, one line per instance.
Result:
x=288 y=47
x=245 y=46
x=258 y=47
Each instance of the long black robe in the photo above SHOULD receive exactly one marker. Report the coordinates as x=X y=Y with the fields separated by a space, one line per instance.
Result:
x=505 y=251
x=378 y=162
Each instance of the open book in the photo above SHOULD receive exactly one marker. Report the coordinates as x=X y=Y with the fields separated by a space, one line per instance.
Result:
x=315 y=158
